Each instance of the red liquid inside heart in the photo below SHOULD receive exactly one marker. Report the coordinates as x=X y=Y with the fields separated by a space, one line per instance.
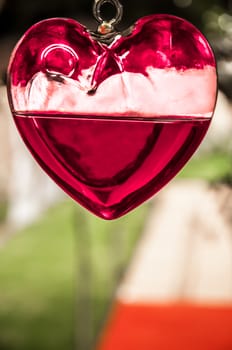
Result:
x=109 y=164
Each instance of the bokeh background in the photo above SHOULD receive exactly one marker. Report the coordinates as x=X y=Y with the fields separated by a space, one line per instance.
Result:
x=60 y=267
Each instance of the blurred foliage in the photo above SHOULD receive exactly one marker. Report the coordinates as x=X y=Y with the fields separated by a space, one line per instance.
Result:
x=3 y=210
x=16 y=15
x=58 y=274
x=212 y=167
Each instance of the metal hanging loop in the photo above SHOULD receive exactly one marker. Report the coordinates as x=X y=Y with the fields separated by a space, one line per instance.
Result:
x=107 y=26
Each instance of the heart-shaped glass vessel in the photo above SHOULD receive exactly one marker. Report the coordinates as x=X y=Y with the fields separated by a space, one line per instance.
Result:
x=112 y=122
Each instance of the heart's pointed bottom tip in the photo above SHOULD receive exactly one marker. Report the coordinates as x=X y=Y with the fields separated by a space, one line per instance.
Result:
x=108 y=214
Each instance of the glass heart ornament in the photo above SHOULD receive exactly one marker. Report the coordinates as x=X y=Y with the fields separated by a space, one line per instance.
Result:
x=112 y=116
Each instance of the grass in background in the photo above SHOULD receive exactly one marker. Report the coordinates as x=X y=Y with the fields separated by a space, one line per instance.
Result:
x=56 y=273
x=211 y=167
x=63 y=270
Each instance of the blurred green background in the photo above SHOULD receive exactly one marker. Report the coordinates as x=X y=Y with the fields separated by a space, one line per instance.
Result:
x=58 y=275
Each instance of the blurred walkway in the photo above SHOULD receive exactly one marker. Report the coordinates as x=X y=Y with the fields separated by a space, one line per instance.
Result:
x=177 y=293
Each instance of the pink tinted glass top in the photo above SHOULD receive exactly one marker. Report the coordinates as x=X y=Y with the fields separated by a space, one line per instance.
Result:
x=161 y=50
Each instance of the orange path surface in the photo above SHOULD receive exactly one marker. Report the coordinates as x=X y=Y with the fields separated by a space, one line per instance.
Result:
x=171 y=327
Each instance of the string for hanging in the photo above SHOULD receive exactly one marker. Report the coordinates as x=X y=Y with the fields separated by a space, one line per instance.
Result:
x=107 y=26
